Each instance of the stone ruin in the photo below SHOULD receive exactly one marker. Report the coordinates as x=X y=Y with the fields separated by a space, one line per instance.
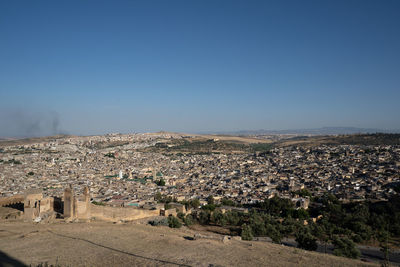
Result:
x=77 y=207
x=34 y=206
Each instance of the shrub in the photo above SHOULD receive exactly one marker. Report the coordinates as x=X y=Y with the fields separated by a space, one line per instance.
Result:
x=174 y=222
x=162 y=222
x=181 y=215
x=189 y=220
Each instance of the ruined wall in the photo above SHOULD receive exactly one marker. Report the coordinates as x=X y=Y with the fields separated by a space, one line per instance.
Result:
x=168 y=212
x=6 y=201
x=46 y=204
x=116 y=213
x=32 y=200
x=83 y=210
x=69 y=200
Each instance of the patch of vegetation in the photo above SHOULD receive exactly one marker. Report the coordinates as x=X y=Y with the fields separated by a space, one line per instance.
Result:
x=246 y=233
x=159 y=222
x=111 y=176
x=305 y=240
x=260 y=147
x=206 y=147
x=13 y=161
x=163 y=198
x=193 y=203
x=110 y=155
x=174 y=222
x=342 y=224
x=345 y=247
x=370 y=139
x=98 y=203
x=160 y=182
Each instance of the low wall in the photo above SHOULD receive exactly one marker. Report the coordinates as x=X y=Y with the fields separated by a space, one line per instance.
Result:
x=120 y=213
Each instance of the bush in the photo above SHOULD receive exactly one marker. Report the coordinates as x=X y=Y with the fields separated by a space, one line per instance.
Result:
x=174 y=222
x=188 y=220
x=162 y=222
x=181 y=215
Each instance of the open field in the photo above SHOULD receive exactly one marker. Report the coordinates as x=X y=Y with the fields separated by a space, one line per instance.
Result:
x=104 y=244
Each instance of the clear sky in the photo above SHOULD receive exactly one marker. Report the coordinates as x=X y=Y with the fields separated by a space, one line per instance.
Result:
x=92 y=67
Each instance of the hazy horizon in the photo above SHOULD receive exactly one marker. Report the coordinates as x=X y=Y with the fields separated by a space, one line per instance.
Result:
x=97 y=67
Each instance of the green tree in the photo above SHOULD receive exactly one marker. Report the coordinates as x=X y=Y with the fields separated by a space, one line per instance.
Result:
x=345 y=247
x=383 y=237
x=210 y=207
x=210 y=200
x=227 y=202
x=306 y=241
x=246 y=232
x=160 y=182
x=204 y=217
x=194 y=203
x=257 y=225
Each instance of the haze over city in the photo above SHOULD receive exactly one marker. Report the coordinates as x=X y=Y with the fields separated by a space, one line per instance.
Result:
x=96 y=67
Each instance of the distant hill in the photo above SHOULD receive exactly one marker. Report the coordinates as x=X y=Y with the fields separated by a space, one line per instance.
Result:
x=314 y=131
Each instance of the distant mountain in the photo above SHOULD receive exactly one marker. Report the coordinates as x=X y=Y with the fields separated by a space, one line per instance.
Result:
x=315 y=131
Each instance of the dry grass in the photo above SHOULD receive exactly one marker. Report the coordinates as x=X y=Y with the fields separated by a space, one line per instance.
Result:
x=104 y=244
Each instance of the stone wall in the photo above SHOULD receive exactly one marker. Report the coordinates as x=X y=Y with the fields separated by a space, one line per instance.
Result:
x=120 y=213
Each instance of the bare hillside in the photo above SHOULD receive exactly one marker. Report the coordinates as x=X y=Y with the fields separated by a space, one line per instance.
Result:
x=103 y=244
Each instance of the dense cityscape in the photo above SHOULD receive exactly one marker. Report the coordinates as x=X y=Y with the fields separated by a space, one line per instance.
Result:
x=120 y=172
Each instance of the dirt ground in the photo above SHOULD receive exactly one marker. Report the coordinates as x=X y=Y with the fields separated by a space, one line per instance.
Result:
x=106 y=244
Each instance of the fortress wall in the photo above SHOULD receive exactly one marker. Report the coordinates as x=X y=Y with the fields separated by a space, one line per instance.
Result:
x=120 y=213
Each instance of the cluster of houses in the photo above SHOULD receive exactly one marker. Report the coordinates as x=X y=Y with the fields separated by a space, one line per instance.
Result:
x=120 y=173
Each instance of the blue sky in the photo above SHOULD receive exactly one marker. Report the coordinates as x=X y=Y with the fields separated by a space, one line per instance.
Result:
x=92 y=67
